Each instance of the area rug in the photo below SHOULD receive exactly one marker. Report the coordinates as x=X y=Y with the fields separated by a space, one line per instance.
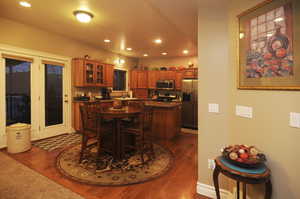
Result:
x=20 y=182
x=60 y=141
x=113 y=173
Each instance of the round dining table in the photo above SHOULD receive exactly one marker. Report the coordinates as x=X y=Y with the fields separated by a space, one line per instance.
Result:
x=116 y=115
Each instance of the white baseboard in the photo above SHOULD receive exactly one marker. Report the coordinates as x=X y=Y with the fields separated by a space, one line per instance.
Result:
x=209 y=191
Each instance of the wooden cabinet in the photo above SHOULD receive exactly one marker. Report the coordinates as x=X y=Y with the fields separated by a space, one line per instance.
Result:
x=152 y=79
x=140 y=93
x=178 y=80
x=166 y=122
x=91 y=73
x=109 y=75
x=166 y=75
x=138 y=79
x=190 y=73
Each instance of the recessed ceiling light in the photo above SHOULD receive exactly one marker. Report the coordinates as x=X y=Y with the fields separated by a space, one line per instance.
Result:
x=185 y=52
x=145 y=55
x=164 y=53
x=158 y=41
x=25 y=4
x=129 y=49
x=83 y=16
x=106 y=40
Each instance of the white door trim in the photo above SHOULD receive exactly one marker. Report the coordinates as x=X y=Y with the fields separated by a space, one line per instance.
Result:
x=37 y=56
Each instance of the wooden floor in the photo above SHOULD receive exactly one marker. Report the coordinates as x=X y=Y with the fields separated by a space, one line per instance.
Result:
x=178 y=183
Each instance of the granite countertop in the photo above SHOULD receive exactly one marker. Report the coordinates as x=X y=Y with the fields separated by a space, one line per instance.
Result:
x=163 y=104
x=110 y=100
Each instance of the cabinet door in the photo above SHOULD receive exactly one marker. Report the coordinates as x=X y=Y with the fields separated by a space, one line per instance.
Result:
x=99 y=74
x=170 y=75
x=133 y=79
x=142 y=79
x=152 y=79
x=178 y=80
x=109 y=73
x=89 y=70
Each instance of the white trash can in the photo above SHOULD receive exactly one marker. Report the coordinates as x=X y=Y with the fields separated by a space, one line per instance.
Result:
x=18 y=138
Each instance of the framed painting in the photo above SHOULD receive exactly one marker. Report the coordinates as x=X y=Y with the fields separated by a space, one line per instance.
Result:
x=269 y=46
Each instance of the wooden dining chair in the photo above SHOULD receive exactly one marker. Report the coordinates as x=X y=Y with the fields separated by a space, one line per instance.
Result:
x=94 y=128
x=141 y=129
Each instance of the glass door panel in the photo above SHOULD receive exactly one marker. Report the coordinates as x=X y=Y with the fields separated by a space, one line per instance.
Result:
x=53 y=95
x=18 y=92
x=89 y=73
x=99 y=74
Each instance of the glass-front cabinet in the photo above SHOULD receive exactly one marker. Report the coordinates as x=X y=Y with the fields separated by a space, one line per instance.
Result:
x=99 y=74
x=90 y=73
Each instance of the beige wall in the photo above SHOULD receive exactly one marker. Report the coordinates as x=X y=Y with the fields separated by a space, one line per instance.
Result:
x=214 y=85
x=29 y=37
x=167 y=62
x=268 y=129
x=25 y=36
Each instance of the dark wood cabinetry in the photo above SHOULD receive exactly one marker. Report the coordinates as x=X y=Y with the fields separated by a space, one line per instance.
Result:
x=91 y=73
x=109 y=75
x=190 y=73
x=152 y=79
x=138 y=79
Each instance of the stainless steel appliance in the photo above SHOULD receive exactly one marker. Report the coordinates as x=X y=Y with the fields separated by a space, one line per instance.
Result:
x=190 y=103
x=165 y=84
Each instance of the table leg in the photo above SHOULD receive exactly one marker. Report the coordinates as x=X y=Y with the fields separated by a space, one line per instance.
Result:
x=238 y=189
x=115 y=139
x=244 y=190
x=268 y=192
x=216 y=181
x=119 y=152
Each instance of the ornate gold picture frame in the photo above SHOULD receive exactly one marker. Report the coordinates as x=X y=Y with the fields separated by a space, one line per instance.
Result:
x=269 y=46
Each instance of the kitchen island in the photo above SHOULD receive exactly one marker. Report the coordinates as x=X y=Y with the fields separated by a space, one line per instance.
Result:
x=166 y=116
x=166 y=119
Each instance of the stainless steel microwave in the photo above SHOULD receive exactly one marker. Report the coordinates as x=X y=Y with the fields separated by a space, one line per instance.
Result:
x=165 y=84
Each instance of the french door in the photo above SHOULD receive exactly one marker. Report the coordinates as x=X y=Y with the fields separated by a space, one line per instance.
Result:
x=34 y=89
x=54 y=98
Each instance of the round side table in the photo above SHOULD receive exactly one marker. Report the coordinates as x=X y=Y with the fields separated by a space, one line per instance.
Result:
x=245 y=175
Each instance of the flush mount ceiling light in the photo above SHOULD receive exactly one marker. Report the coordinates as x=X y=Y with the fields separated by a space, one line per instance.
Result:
x=145 y=55
x=164 y=53
x=83 y=16
x=185 y=52
x=158 y=41
x=25 y=4
x=129 y=49
x=106 y=40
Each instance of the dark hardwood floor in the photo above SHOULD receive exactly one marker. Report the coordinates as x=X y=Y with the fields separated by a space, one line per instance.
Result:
x=178 y=183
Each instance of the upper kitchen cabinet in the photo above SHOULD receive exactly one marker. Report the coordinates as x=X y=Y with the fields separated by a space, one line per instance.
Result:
x=190 y=73
x=178 y=80
x=166 y=75
x=138 y=79
x=109 y=75
x=91 y=73
x=152 y=79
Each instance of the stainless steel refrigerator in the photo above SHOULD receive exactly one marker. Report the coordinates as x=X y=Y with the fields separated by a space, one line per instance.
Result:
x=190 y=103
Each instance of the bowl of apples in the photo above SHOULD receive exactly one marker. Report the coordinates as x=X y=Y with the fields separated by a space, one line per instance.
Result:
x=244 y=156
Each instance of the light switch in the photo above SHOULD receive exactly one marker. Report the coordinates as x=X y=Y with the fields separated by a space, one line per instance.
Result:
x=295 y=120
x=244 y=111
x=213 y=108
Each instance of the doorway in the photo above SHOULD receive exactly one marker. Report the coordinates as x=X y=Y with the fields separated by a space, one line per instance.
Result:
x=35 y=90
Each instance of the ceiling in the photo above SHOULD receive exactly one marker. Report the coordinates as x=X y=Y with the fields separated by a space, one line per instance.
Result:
x=128 y=23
